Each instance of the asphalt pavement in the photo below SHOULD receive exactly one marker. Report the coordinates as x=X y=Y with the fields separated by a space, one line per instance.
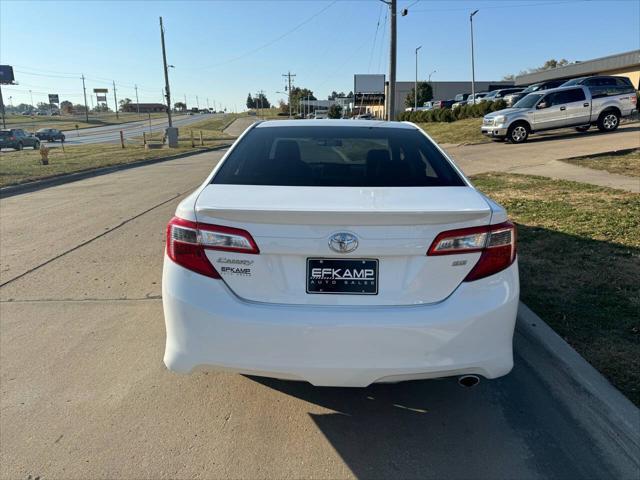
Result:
x=84 y=393
x=111 y=133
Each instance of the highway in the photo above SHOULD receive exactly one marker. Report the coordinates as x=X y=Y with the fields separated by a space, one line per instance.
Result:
x=85 y=393
x=111 y=133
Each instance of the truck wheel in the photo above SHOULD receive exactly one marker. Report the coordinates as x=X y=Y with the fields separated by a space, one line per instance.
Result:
x=518 y=133
x=584 y=128
x=608 y=121
x=36 y=145
x=19 y=146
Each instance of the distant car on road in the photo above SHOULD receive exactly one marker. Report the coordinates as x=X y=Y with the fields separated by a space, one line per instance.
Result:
x=17 y=139
x=50 y=134
x=575 y=106
x=442 y=104
x=512 y=98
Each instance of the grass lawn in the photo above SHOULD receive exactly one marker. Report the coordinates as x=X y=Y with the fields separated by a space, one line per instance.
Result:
x=460 y=131
x=66 y=122
x=624 y=164
x=579 y=256
x=19 y=167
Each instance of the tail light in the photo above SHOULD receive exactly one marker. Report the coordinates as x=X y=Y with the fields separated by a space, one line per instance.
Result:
x=187 y=242
x=497 y=244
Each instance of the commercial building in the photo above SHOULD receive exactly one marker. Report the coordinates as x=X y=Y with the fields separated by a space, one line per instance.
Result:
x=621 y=64
x=145 y=107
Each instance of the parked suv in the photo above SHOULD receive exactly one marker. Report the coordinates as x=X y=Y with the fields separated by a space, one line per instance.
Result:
x=50 y=134
x=512 y=98
x=477 y=98
x=500 y=93
x=573 y=106
x=17 y=139
x=603 y=86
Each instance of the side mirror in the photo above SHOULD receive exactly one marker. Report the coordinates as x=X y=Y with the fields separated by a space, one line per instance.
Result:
x=542 y=105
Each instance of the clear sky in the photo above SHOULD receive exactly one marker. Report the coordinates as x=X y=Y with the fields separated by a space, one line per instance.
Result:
x=224 y=49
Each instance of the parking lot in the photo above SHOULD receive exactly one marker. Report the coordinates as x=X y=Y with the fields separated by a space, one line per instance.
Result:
x=85 y=393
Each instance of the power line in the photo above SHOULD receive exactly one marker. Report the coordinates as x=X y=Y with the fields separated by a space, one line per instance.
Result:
x=503 y=6
x=275 y=40
x=384 y=32
x=375 y=36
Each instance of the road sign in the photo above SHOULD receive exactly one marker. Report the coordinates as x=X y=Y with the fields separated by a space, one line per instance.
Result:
x=6 y=75
x=101 y=98
x=100 y=90
x=54 y=98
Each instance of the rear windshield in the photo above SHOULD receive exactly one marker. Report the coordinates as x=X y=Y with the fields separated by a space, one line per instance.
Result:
x=337 y=157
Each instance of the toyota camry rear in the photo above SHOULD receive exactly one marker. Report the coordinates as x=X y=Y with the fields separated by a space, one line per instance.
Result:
x=342 y=253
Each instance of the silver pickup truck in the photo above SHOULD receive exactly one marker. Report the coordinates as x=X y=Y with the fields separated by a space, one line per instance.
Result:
x=572 y=106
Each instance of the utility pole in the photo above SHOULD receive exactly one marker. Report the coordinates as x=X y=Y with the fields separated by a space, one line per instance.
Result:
x=415 y=91
x=289 y=75
x=166 y=74
x=4 y=123
x=115 y=98
x=197 y=102
x=185 y=101
x=473 y=70
x=391 y=115
x=207 y=103
x=137 y=101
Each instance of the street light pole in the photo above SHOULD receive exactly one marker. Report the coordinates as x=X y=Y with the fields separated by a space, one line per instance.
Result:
x=473 y=70
x=391 y=115
x=415 y=91
x=430 y=76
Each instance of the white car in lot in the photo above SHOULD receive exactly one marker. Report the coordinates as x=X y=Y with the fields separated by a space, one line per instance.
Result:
x=343 y=253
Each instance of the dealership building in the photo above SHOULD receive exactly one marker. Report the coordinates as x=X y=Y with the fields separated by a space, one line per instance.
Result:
x=621 y=64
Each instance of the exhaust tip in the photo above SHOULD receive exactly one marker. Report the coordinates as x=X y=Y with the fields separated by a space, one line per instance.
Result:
x=469 y=381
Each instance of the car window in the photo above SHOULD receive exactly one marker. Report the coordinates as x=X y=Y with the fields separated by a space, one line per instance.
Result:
x=556 y=98
x=4 y=134
x=337 y=157
x=573 y=95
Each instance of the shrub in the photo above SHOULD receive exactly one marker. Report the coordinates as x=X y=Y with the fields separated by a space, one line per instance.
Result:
x=498 y=105
x=446 y=115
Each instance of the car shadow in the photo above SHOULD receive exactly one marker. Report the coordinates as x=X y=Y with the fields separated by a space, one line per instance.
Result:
x=570 y=133
x=504 y=428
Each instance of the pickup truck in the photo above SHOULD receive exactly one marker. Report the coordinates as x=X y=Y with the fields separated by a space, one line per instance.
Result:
x=574 y=106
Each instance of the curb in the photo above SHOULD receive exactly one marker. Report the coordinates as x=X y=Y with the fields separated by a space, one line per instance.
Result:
x=598 y=406
x=11 y=190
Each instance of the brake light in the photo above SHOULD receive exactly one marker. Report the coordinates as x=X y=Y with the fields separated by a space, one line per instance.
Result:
x=633 y=99
x=187 y=242
x=497 y=244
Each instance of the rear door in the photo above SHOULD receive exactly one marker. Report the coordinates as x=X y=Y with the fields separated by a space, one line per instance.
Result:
x=578 y=108
x=303 y=193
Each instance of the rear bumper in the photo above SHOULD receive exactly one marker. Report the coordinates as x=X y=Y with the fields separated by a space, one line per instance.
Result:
x=470 y=332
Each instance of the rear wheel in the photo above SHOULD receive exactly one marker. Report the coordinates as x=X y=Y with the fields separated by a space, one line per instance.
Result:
x=518 y=133
x=583 y=128
x=36 y=145
x=608 y=121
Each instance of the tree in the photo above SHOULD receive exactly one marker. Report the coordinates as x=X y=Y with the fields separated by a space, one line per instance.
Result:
x=66 y=107
x=548 y=65
x=284 y=107
x=79 y=108
x=251 y=103
x=101 y=107
x=509 y=78
x=24 y=107
x=43 y=106
x=297 y=94
x=261 y=101
x=425 y=93
x=124 y=104
x=335 y=111
x=180 y=106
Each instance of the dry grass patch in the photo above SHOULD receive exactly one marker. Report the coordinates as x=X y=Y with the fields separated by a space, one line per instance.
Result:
x=458 y=132
x=625 y=164
x=579 y=256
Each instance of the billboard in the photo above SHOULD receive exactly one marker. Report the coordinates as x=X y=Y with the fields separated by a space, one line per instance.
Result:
x=6 y=75
x=101 y=98
x=54 y=98
x=365 y=83
x=100 y=90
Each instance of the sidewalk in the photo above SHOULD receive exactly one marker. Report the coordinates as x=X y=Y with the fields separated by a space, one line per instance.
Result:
x=541 y=155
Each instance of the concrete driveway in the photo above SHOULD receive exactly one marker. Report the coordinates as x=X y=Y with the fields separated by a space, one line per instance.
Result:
x=84 y=393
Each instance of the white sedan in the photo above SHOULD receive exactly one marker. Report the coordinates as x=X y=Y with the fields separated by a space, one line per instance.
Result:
x=342 y=253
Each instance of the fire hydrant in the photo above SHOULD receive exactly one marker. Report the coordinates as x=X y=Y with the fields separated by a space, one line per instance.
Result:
x=44 y=154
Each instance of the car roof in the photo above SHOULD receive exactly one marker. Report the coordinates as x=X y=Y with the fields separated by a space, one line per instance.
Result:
x=551 y=90
x=334 y=123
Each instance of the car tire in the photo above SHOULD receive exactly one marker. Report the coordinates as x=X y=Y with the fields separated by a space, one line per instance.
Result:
x=608 y=121
x=583 y=128
x=36 y=145
x=19 y=146
x=518 y=133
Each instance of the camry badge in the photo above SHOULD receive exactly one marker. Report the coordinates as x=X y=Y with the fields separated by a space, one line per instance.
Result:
x=343 y=242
